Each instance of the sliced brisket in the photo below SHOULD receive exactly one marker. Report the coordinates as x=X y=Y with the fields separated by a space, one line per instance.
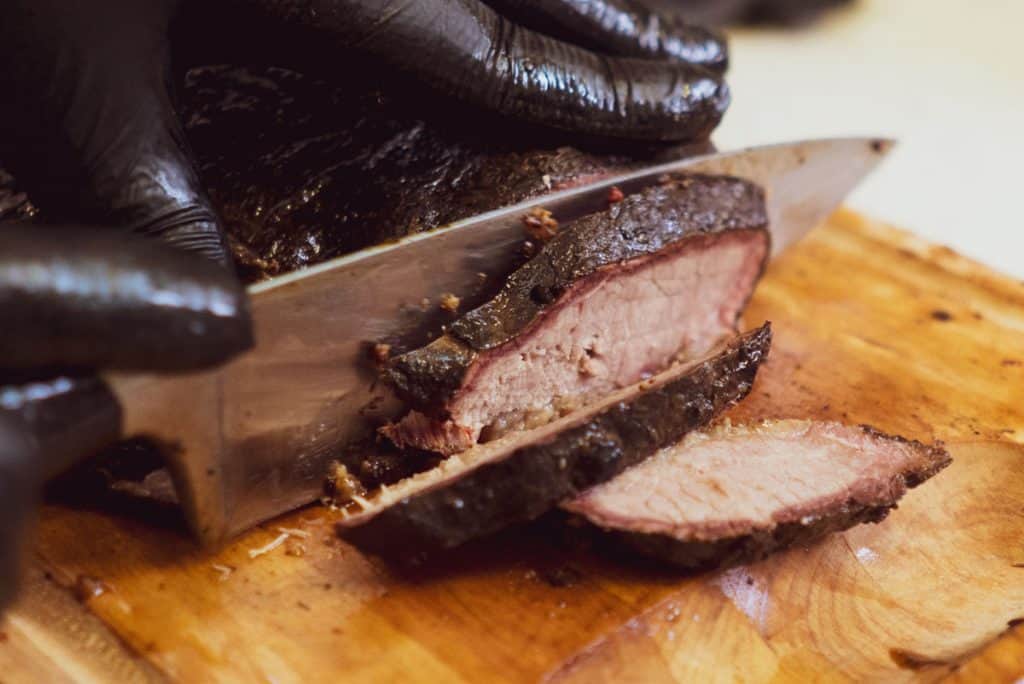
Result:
x=520 y=476
x=615 y=296
x=734 y=494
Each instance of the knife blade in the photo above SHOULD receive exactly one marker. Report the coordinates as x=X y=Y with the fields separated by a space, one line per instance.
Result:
x=254 y=439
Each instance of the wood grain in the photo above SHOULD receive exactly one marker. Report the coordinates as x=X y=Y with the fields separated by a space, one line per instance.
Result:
x=872 y=325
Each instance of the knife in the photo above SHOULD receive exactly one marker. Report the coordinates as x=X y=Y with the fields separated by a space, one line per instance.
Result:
x=253 y=439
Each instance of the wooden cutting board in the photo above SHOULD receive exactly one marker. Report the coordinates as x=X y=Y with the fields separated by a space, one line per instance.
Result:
x=872 y=325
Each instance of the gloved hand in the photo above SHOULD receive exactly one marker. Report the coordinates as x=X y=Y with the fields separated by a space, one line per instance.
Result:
x=606 y=68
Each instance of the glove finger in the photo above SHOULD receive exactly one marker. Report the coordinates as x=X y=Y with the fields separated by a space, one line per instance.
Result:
x=45 y=426
x=627 y=28
x=64 y=418
x=464 y=49
x=92 y=298
x=89 y=128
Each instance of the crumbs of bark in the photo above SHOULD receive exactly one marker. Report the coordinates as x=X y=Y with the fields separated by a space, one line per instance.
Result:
x=540 y=224
x=941 y=315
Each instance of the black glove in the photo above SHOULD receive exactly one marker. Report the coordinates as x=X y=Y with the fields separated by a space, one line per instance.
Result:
x=609 y=68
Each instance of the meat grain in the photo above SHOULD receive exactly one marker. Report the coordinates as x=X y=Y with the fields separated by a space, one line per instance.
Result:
x=734 y=494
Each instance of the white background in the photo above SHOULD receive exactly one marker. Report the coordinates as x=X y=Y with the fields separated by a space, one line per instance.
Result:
x=945 y=77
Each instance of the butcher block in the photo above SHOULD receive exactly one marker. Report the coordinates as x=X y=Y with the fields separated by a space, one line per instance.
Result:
x=872 y=325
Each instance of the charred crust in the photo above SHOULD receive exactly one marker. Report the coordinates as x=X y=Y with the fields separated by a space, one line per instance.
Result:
x=934 y=455
x=429 y=376
x=641 y=224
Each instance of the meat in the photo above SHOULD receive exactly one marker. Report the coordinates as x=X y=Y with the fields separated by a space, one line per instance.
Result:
x=302 y=171
x=733 y=494
x=619 y=294
x=526 y=473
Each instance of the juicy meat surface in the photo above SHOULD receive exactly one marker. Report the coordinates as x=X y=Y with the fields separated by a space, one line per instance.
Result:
x=521 y=476
x=615 y=296
x=735 y=493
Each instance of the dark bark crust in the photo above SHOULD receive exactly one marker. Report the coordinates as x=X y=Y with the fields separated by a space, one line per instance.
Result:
x=535 y=477
x=302 y=171
x=640 y=225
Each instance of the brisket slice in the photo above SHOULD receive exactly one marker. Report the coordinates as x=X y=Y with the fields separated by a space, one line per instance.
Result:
x=615 y=296
x=734 y=494
x=524 y=474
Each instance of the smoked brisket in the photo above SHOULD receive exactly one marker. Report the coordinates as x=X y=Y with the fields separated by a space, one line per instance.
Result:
x=524 y=474
x=617 y=295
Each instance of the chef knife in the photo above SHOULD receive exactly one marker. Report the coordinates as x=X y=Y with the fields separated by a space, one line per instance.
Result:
x=255 y=438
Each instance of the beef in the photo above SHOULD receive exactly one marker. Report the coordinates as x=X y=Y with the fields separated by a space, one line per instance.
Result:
x=734 y=494
x=302 y=171
x=618 y=294
x=520 y=476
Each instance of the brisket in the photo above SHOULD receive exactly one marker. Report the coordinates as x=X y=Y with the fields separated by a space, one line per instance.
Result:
x=302 y=171
x=617 y=295
x=734 y=494
x=520 y=476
